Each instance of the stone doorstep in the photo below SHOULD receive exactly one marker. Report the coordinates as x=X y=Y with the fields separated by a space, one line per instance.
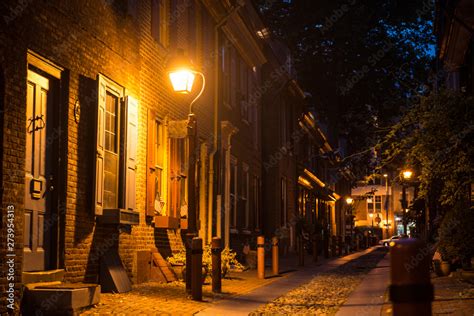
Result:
x=55 y=297
x=43 y=276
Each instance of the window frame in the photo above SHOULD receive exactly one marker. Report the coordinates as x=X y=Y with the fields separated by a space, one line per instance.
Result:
x=118 y=91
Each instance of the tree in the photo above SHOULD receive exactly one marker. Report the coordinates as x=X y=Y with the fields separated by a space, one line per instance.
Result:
x=361 y=61
x=435 y=137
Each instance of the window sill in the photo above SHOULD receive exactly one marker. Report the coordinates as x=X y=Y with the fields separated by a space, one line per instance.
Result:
x=246 y=231
x=234 y=231
x=166 y=222
x=119 y=216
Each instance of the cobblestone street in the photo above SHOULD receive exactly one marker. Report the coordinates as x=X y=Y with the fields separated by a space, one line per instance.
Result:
x=326 y=288
x=326 y=292
x=170 y=299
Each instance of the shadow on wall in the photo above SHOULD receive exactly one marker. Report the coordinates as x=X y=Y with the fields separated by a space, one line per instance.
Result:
x=84 y=123
x=104 y=238
x=169 y=241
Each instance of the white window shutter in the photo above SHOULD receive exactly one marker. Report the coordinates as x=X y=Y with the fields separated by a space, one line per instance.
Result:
x=131 y=155
x=100 y=139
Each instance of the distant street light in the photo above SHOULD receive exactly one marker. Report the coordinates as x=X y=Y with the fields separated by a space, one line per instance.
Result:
x=349 y=200
x=385 y=175
x=407 y=174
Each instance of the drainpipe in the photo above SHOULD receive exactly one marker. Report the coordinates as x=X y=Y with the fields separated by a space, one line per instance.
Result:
x=214 y=151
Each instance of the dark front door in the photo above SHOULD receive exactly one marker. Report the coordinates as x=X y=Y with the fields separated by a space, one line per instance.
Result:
x=38 y=173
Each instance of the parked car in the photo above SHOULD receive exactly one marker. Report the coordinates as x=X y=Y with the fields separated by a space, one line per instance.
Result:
x=386 y=242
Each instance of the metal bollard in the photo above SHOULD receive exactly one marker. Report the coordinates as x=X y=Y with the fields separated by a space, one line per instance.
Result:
x=275 y=266
x=216 y=250
x=411 y=291
x=261 y=257
x=357 y=243
x=315 y=248
x=196 y=269
x=188 y=244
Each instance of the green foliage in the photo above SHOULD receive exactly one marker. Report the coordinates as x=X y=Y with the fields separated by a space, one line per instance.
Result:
x=456 y=233
x=228 y=260
x=436 y=137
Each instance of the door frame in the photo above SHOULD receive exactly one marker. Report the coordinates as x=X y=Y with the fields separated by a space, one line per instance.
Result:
x=58 y=97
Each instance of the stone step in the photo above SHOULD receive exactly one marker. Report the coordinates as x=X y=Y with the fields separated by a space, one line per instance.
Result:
x=43 y=276
x=56 y=298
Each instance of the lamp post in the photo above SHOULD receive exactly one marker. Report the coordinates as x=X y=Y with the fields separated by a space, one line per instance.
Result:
x=350 y=202
x=407 y=174
x=182 y=74
x=371 y=215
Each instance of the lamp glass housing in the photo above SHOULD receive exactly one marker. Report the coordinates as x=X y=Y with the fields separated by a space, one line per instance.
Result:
x=182 y=80
x=407 y=174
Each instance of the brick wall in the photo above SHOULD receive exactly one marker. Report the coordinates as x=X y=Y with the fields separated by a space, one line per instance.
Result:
x=87 y=38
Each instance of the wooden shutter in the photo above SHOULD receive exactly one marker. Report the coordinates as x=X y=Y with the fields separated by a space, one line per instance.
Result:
x=99 y=156
x=150 y=174
x=131 y=155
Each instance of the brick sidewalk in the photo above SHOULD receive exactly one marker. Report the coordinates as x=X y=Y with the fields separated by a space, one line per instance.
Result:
x=155 y=298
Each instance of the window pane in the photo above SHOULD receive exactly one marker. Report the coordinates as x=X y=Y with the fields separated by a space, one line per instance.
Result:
x=378 y=204
x=111 y=109
x=110 y=180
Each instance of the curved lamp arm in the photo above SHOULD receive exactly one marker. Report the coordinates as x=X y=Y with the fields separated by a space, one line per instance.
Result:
x=200 y=92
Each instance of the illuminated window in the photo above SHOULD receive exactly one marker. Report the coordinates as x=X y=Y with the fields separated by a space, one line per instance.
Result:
x=111 y=155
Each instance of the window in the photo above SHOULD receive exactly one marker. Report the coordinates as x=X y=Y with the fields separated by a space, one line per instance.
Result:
x=233 y=192
x=156 y=148
x=245 y=194
x=378 y=203
x=117 y=127
x=283 y=202
x=111 y=155
x=374 y=204
x=160 y=20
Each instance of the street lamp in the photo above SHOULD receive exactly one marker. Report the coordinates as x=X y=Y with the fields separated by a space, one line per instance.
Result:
x=407 y=174
x=371 y=215
x=350 y=202
x=385 y=175
x=181 y=73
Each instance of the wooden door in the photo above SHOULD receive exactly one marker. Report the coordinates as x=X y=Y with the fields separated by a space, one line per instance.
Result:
x=38 y=176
